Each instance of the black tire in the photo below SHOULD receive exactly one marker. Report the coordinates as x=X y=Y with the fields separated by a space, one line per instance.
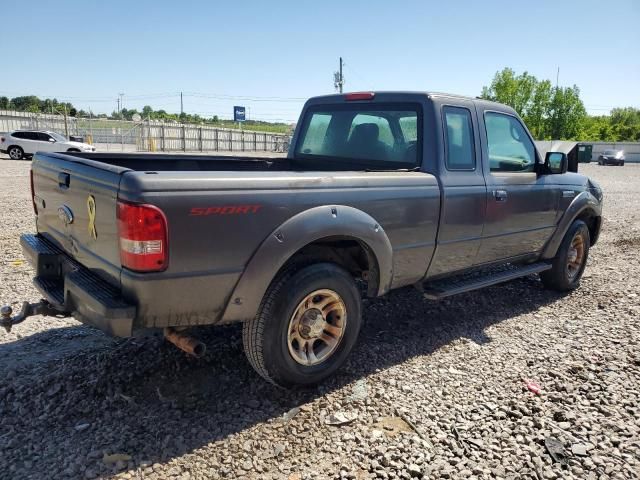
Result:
x=622 y=163
x=266 y=337
x=73 y=150
x=15 y=152
x=561 y=277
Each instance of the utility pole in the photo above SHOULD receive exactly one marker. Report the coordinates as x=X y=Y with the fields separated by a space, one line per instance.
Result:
x=90 y=128
x=66 y=126
x=338 y=78
x=121 y=105
x=557 y=77
x=181 y=106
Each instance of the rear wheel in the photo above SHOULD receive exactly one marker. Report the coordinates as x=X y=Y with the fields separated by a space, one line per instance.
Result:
x=15 y=152
x=570 y=261
x=306 y=327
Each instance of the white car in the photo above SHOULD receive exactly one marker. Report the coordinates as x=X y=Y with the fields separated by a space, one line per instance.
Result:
x=24 y=143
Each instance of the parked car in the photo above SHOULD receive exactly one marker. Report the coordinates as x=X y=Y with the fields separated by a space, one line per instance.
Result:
x=24 y=143
x=445 y=193
x=611 y=157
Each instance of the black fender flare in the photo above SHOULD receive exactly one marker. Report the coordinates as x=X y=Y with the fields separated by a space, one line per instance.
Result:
x=297 y=232
x=584 y=202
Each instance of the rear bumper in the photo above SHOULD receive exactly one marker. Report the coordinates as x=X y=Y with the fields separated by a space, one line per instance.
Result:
x=72 y=288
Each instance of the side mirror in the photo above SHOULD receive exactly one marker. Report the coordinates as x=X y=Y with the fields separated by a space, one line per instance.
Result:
x=556 y=162
x=52 y=140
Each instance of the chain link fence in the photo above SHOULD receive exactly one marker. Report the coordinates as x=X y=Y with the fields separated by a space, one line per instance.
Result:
x=147 y=136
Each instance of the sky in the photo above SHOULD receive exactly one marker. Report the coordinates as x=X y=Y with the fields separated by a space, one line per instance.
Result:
x=271 y=56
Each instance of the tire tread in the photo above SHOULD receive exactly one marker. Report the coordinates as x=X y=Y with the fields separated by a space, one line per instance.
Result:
x=253 y=330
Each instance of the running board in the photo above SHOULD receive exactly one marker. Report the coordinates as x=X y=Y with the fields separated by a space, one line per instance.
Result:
x=437 y=289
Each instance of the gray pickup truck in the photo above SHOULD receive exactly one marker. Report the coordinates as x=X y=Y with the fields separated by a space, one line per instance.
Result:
x=380 y=190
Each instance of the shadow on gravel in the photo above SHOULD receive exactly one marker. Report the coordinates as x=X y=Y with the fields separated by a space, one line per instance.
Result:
x=145 y=398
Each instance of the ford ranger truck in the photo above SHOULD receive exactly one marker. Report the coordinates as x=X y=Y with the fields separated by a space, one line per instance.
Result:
x=387 y=189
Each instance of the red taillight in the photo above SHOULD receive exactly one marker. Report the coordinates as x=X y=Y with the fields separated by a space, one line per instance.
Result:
x=359 y=96
x=33 y=193
x=143 y=237
x=1 y=139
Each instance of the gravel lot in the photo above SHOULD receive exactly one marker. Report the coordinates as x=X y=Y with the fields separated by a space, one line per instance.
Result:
x=433 y=390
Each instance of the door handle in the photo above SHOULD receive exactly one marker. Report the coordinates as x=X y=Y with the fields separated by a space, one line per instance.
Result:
x=63 y=180
x=500 y=195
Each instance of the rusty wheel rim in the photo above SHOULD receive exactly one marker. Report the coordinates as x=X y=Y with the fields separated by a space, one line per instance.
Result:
x=316 y=327
x=575 y=256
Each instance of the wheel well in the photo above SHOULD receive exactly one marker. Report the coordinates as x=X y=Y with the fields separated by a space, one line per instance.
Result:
x=351 y=254
x=593 y=224
x=73 y=150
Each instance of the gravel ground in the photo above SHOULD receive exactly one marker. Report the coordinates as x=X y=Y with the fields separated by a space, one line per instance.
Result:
x=433 y=390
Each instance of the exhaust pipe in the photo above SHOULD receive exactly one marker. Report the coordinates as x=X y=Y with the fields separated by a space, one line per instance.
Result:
x=186 y=343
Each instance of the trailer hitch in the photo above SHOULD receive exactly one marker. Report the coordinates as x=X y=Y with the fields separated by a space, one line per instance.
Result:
x=28 y=309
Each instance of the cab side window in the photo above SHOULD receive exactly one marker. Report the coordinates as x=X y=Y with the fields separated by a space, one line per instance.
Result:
x=458 y=133
x=510 y=148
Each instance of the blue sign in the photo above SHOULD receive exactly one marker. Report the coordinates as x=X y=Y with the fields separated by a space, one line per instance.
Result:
x=239 y=114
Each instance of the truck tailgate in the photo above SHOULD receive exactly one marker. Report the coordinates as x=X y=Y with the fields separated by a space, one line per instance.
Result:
x=76 y=202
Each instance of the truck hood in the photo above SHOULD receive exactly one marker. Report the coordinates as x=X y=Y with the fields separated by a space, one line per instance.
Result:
x=571 y=178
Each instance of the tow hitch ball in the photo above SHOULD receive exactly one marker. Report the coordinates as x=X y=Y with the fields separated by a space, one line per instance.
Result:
x=28 y=309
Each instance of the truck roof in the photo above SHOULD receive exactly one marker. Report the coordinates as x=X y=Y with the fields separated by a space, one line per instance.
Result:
x=400 y=95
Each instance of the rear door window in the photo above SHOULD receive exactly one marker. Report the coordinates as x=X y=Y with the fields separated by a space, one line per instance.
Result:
x=460 y=153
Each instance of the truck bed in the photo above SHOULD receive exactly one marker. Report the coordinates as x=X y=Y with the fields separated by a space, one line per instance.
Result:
x=220 y=211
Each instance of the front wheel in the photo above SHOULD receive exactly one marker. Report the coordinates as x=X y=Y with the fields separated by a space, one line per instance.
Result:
x=306 y=327
x=570 y=261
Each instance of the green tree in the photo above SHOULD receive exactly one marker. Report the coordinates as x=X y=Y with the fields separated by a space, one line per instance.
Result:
x=4 y=103
x=567 y=114
x=625 y=123
x=550 y=113
x=514 y=90
x=597 y=129
x=538 y=112
x=29 y=103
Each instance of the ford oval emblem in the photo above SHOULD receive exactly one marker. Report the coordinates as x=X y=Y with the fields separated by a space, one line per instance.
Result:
x=65 y=214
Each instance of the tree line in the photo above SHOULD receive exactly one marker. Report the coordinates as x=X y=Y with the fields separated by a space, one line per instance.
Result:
x=33 y=104
x=558 y=113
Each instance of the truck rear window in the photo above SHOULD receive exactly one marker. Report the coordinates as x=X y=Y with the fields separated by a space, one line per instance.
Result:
x=368 y=136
